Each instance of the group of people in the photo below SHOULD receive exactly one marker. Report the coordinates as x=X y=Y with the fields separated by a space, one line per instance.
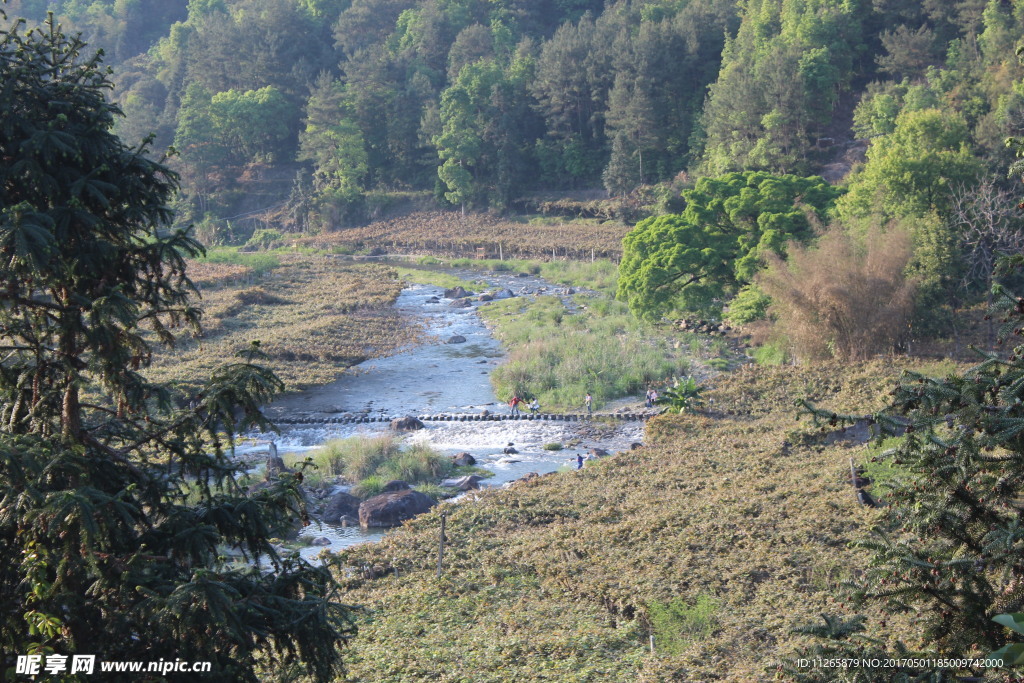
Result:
x=588 y=402
x=652 y=396
x=534 y=406
x=516 y=402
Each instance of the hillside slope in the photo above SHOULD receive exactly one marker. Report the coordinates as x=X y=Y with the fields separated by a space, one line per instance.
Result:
x=555 y=578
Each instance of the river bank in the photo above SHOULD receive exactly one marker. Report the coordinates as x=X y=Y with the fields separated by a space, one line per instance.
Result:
x=439 y=375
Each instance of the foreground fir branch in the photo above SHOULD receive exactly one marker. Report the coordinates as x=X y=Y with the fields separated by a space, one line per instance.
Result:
x=106 y=553
x=950 y=546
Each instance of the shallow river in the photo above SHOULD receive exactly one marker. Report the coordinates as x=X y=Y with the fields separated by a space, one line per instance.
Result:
x=436 y=377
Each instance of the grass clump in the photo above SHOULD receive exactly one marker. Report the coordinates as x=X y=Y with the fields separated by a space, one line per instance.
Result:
x=371 y=462
x=678 y=623
x=552 y=446
x=436 y=491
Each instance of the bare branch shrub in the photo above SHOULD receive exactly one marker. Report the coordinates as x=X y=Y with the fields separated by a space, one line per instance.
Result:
x=842 y=298
x=989 y=227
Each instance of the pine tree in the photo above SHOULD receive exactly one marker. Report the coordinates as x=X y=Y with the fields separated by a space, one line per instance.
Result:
x=116 y=509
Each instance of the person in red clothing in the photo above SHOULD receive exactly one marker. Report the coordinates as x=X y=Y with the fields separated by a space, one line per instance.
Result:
x=515 y=404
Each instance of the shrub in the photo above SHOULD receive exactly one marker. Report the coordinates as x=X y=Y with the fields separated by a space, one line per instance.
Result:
x=552 y=446
x=265 y=238
x=840 y=298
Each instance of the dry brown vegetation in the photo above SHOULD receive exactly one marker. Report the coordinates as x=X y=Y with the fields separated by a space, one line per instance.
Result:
x=451 y=233
x=839 y=298
x=553 y=579
x=313 y=316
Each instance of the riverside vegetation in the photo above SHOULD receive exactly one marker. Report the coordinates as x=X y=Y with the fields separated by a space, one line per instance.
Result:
x=368 y=463
x=723 y=535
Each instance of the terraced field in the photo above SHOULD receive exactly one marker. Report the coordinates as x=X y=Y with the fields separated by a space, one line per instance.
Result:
x=450 y=233
x=312 y=315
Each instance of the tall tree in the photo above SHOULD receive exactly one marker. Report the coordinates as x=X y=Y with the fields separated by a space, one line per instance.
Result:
x=117 y=508
x=694 y=260
x=914 y=169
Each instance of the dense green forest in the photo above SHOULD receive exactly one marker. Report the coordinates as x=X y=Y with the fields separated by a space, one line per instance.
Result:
x=482 y=102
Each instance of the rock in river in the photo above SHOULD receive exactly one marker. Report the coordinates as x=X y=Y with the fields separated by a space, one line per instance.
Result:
x=456 y=339
x=460 y=303
x=406 y=424
x=391 y=509
x=457 y=293
x=463 y=459
x=340 y=505
x=466 y=483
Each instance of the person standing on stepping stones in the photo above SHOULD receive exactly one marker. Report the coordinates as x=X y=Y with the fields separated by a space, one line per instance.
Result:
x=589 y=401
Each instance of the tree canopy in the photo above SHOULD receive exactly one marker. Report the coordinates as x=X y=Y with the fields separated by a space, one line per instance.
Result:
x=126 y=531
x=693 y=260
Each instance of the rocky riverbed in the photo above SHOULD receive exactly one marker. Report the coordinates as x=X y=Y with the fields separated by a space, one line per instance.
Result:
x=447 y=374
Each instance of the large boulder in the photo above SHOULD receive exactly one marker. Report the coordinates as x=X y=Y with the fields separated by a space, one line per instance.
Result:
x=456 y=339
x=463 y=459
x=391 y=509
x=406 y=424
x=457 y=293
x=503 y=294
x=460 y=303
x=467 y=483
x=340 y=505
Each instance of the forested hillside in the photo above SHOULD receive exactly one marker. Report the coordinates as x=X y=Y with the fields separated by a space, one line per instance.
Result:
x=329 y=105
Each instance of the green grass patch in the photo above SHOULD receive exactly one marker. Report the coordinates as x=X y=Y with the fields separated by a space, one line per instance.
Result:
x=678 y=623
x=552 y=446
x=772 y=353
x=881 y=470
x=428 y=276
x=436 y=491
x=558 y=357
x=259 y=262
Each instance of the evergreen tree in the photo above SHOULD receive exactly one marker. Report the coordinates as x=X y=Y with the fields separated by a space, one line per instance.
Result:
x=117 y=509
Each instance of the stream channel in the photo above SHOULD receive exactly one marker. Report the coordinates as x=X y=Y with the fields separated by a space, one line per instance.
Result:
x=430 y=378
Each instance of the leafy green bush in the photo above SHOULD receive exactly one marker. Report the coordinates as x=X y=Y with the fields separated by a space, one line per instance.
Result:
x=552 y=446
x=265 y=238
x=682 y=396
